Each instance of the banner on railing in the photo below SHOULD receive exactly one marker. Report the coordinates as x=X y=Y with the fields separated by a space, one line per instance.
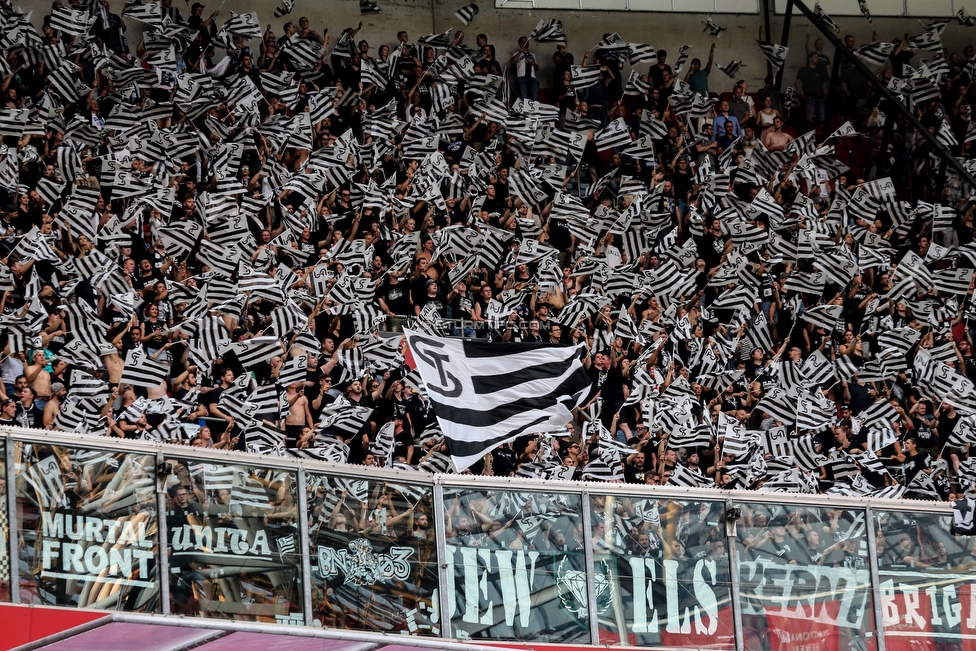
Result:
x=233 y=547
x=373 y=555
x=88 y=520
x=516 y=560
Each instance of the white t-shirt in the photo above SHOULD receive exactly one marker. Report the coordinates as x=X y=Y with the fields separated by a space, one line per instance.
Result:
x=11 y=369
x=524 y=67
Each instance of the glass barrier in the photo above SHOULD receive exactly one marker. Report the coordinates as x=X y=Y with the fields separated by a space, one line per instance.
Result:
x=87 y=519
x=516 y=566
x=515 y=559
x=233 y=542
x=928 y=600
x=373 y=555
x=804 y=579
x=4 y=533
x=662 y=572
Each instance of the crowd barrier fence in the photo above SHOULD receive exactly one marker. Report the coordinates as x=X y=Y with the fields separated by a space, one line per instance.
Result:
x=94 y=522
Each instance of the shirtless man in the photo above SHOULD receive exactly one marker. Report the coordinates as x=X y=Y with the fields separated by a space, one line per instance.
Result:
x=775 y=138
x=53 y=405
x=38 y=378
x=161 y=389
x=113 y=361
x=299 y=416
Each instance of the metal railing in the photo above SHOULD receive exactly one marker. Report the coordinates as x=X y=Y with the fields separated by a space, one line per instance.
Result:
x=158 y=528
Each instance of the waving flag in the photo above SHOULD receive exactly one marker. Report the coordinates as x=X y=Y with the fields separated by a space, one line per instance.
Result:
x=775 y=53
x=467 y=13
x=485 y=394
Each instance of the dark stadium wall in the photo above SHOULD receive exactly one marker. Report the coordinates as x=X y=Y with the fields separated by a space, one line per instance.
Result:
x=584 y=29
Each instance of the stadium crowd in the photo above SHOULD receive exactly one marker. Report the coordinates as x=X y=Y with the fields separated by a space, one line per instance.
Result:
x=216 y=246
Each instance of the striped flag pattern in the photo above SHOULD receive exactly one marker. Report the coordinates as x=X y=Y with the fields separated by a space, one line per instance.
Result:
x=467 y=13
x=774 y=53
x=141 y=370
x=486 y=394
x=828 y=21
x=549 y=31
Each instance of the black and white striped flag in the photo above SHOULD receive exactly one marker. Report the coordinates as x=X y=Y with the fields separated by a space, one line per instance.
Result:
x=714 y=30
x=245 y=25
x=584 y=76
x=863 y=4
x=141 y=370
x=549 y=31
x=682 y=57
x=928 y=41
x=437 y=463
x=945 y=135
x=615 y=134
x=790 y=99
x=774 y=53
x=963 y=512
x=844 y=368
x=605 y=466
x=880 y=437
x=875 y=54
x=845 y=130
x=285 y=8
x=635 y=85
x=641 y=53
x=828 y=21
x=437 y=40
x=731 y=68
x=384 y=444
x=653 y=127
x=952 y=281
x=69 y=21
x=879 y=414
x=824 y=316
x=486 y=394
x=817 y=368
x=682 y=476
x=467 y=13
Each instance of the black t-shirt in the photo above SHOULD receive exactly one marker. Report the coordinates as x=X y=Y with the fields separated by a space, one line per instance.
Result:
x=681 y=182
x=461 y=306
x=141 y=282
x=656 y=74
x=812 y=80
x=923 y=430
x=859 y=397
x=914 y=464
x=610 y=383
x=899 y=61
x=396 y=296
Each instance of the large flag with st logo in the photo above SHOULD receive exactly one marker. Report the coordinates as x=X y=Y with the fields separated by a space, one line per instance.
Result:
x=485 y=394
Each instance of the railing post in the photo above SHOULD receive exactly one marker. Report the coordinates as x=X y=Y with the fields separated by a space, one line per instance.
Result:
x=162 y=543
x=831 y=90
x=768 y=31
x=304 y=542
x=590 y=571
x=13 y=527
x=785 y=41
x=733 y=550
x=875 y=578
x=444 y=592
